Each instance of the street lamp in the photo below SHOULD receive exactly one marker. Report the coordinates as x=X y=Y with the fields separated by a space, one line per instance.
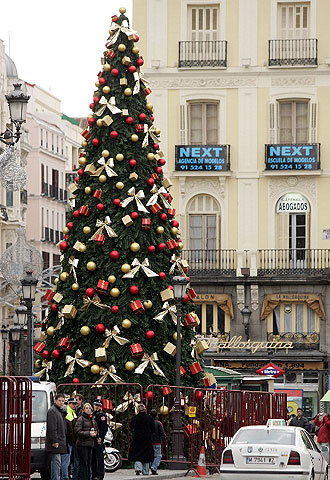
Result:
x=246 y=311
x=21 y=313
x=17 y=103
x=4 y=334
x=29 y=287
x=246 y=314
x=179 y=290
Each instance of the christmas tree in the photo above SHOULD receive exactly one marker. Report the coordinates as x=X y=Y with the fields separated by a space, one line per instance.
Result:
x=112 y=315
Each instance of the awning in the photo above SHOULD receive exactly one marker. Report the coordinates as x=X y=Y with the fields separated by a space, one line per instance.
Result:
x=314 y=301
x=224 y=302
x=326 y=397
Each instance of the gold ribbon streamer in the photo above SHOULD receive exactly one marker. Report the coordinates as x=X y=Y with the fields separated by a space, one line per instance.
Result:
x=124 y=28
x=111 y=105
x=176 y=261
x=152 y=359
x=74 y=264
x=45 y=367
x=128 y=398
x=138 y=78
x=104 y=225
x=149 y=131
x=136 y=267
x=137 y=197
x=107 y=166
x=167 y=308
x=114 y=334
x=158 y=192
x=109 y=372
x=87 y=302
x=61 y=322
x=76 y=359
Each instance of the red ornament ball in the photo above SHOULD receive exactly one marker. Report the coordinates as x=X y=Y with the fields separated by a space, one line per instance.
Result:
x=102 y=81
x=150 y=334
x=156 y=146
x=136 y=38
x=132 y=69
x=92 y=106
x=117 y=202
x=162 y=162
x=132 y=163
x=134 y=215
x=161 y=246
x=70 y=225
x=142 y=117
x=95 y=142
x=96 y=99
x=149 y=396
x=151 y=182
x=199 y=395
x=100 y=328
x=188 y=278
x=159 y=170
x=163 y=217
x=75 y=380
x=151 y=249
x=114 y=134
x=114 y=72
x=54 y=307
x=169 y=287
x=115 y=309
x=100 y=207
x=45 y=353
x=56 y=354
x=152 y=118
x=140 y=61
x=64 y=246
x=175 y=223
x=77 y=179
x=186 y=299
x=114 y=254
x=80 y=172
x=129 y=120
x=162 y=275
x=90 y=292
x=134 y=290
x=91 y=121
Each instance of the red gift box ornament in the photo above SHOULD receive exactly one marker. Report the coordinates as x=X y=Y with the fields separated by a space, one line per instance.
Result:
x=38 y=348
x=171 y=212
x=136 y=350
x=155 y=208
x=65 y=344
x=195 y=368
x=182 y=371
x=146 y=223
x=110 y=53
x=191 y=320
x=97 y=193
x=190 y=430
x=48 y=295
x=86 y=134
x=84 y=210
x=191 y=294
x=114 y=18
x=146 y=91
x=137 y=307
x=100 y=239
x=167 y=390
x=107 y=405
x=172 y=244
x=102 y=286
x=139 y=127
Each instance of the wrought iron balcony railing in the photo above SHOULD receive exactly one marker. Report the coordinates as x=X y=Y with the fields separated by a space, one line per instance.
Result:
x=300 y=340
x=208 y=53
x=301 y=51
x=282 y=261
x=212 y=262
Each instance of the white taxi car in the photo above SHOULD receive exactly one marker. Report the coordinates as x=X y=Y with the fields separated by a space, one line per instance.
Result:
x=269 y=452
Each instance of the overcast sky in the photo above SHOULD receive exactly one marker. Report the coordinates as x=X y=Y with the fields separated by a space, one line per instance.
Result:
x=58 y=45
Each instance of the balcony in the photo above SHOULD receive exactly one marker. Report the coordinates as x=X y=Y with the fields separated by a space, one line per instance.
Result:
x=301 y=341
x=212 y=262
x=47 y=234
x=288 y=157
x=212 y=53
x=293 y=261
x=53 y=191
x=292 y=52
x=44 y=189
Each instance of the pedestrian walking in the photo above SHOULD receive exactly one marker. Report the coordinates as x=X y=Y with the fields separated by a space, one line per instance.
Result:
x=323 y=423
x=299 y=420
x=85 y=430
x=75 y=460
x=141 y=450
x=98 y=454
x=56 y=436
x=157 y=438
x=80 y=400
x=69 y=416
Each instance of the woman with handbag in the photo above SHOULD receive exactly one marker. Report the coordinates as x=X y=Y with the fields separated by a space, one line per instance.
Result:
x=85 y=430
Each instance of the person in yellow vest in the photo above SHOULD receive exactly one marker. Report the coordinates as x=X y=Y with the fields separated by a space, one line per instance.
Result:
x=70 y=416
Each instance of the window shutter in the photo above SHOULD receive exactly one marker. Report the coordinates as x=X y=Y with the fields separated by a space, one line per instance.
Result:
x=183 y=121
x=313 y=123
x=273 y=120
x=282 y=233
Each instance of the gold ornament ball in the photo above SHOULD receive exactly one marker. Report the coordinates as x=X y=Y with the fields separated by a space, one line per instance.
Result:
x=115 y=292
x=37 y=363
x=181 y=246
x=147 y=304
x=134 y=138
x=135 y=50
x=85 y=330
x=150 y=156
x=122 y=10
x=97 y=84
x=89 y=116
x=64 y=276
x=106 y=89
x=56 y=281
x=135 y=247
x=106 y=67
x=99 y=122
x=126 y=323
x=122 y=47
x=175 y=336
x=119 y=157
x=160 y=230
x=88 y=190
x=174 y=230
x=102 y=178
x=129 y=366
x=105 y=153
x=82 y=248
x=95 y=369
x=125 y=268
x=66 y=230
x=149 y=106
x=119 y=185
x=128 y=92
x=84 y=143
x=91 y=266
x=163 y=410
x=82 y=161
x=75 y=287
x=50 y=331
x=87 y=230
x=111 y=279
x=157 y=131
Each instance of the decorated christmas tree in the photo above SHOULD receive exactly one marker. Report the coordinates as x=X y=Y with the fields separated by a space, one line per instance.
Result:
x=112 y=315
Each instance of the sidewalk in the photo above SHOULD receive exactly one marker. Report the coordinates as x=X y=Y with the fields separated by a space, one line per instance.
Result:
x=129 y=474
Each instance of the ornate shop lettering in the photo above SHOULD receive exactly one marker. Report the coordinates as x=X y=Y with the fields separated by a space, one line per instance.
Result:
x=236 y=343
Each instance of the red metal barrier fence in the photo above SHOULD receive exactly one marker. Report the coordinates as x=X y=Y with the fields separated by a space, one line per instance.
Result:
x=15 y=427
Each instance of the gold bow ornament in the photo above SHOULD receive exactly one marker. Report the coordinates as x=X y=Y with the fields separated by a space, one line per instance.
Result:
x=104 y=225
x=128 y=398
x=137 y=197
x=45 y=367
x=116 y=29
x=158 y=192
x=138 y=79
x=152 y=359
x=110 y=104
x=177 y=263
x=73 y=262
x=107 y=166
x=73 y=360
x=136 y=267
x=114 y=334
x=149 y=131
x=87 y=302
x=111 y=371
x=167 y=308
x=61 y=322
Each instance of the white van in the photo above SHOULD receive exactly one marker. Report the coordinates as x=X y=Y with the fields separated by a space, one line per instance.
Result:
x=43 y=394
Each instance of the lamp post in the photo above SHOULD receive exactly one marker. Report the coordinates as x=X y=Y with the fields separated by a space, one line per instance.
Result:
x=179 y=288
x=17 y=103
x=21 y=312
x=246 y=311
x=4 y=334
x=29 y=287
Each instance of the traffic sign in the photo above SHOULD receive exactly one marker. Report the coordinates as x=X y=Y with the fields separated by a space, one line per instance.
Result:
x=270 y=369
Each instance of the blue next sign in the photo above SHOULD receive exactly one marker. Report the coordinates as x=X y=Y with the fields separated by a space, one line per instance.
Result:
x=202 y=157
x=293 y=157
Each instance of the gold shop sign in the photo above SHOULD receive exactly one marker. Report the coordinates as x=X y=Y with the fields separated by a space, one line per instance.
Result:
x=236 y=343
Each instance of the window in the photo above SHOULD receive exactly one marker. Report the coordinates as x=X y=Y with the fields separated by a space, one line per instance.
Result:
x=52 y=142
x=293 y=122
x=203 y=122
x=203 y=22
x=45 y=259
x=204 y=223
x=213 y=319
x=56 y=260
x=9 y=198
x=42 y=221
x=55 y=183
x=293 y=318
x=293 y=21
x=47 y=140
x=41 y=137
x=57 y=144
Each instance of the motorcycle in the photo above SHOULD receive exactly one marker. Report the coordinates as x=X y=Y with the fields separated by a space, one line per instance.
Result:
x=112 y=457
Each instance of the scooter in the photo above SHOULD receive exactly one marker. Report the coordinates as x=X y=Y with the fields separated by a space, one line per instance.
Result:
x=112 y=457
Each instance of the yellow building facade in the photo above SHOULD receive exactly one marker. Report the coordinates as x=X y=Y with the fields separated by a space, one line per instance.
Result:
x=241 y=94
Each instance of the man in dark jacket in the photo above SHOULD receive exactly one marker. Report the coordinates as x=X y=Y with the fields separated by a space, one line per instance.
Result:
x=98 y=456
x=299 y=420
x=56 y=435
x=141 y=450
x=157 y=438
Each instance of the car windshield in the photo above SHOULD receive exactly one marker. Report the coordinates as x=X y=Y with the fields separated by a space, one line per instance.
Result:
x=39 y=406
x=266 y=436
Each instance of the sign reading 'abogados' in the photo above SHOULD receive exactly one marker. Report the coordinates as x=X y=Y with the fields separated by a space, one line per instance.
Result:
x=293 y=203
x=293 y=157
x=202 y=158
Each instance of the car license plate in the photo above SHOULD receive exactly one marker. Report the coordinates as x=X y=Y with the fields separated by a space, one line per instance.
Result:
x=266 y=460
